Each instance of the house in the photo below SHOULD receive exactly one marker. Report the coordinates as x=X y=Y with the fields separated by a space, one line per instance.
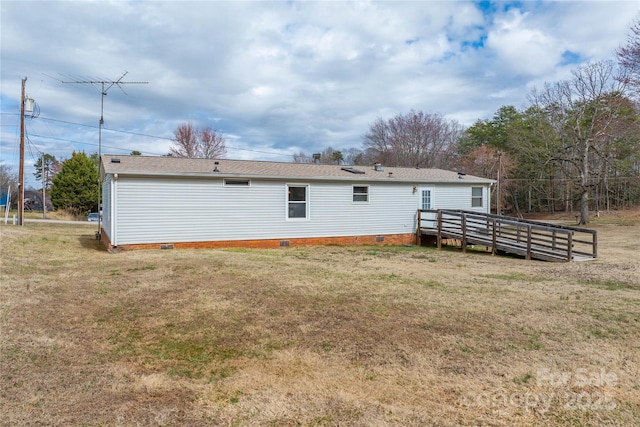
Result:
x=167 y=202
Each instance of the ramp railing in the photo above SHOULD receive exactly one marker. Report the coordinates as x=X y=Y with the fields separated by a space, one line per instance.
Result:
x=531 y=239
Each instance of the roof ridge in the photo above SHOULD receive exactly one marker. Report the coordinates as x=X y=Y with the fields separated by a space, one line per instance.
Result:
x=167 y=165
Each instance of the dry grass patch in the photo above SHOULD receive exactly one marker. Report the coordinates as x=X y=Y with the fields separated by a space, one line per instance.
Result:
x=315 y=336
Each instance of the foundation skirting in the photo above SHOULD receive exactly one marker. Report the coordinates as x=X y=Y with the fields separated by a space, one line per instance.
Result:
x=382 y=239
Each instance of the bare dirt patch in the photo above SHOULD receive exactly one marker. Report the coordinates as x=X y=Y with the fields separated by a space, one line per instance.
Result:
x=315 y=336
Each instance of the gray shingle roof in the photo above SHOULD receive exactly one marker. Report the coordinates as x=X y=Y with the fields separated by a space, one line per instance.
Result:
x=175 y=166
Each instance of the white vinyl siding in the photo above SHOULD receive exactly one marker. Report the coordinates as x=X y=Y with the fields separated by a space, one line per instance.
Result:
x=453 y=196
x=107 y=218
x=150 y=210
x=166 y=210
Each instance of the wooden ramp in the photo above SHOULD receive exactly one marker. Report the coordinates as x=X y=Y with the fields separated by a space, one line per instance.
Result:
x=500 y=234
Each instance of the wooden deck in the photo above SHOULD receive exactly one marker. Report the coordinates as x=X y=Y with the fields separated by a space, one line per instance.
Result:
x=500 y=234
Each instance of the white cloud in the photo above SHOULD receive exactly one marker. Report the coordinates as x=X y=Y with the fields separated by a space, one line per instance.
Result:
x=524 y=50
x=279 y=77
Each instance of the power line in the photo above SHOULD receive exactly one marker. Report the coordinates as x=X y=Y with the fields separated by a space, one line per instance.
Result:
x=273 y=153
x=229 y=147
x=108 y=129
x=94 y=127
x=92 y=144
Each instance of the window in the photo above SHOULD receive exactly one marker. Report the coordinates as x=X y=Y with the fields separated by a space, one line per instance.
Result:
x=476 y=197
x=296 y=201
x=361 y=193
x=425 y=203
x=237 y=182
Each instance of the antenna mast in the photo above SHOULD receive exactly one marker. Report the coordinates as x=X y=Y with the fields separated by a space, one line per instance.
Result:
x=21 y=170
x=104 y=86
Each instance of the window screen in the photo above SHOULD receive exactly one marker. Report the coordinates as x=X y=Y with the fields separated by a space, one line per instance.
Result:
x=297 y=201
x=360 y=193
x=476 y=197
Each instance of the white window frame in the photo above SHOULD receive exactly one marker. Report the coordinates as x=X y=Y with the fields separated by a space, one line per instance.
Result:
x=354 y=194
x=475 y=198
x=306 y=202
x=431 y=191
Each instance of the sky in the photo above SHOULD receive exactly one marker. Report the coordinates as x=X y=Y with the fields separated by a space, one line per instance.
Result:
x=278 y=77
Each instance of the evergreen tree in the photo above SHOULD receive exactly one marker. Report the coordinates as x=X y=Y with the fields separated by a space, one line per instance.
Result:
x=51 y=168
x=95 y=159
x=76 y=187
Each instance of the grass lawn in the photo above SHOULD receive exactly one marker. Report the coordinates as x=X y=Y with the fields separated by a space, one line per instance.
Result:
x=315 y=336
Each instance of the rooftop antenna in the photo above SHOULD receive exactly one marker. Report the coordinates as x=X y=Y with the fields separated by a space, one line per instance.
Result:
x=104 y=86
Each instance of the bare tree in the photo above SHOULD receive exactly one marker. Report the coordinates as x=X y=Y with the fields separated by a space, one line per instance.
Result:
x=489 y=162
x=8 y=178
x=413 y=139
x=354 y=156
x=302 y=157
x=483 y=161
x=212 y=143
x=207 y=143
x=329 y=156
x=629 y=56
x=185 y=141
x=584 y=111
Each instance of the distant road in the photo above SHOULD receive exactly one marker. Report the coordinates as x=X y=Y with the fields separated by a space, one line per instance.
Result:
x=59 y=221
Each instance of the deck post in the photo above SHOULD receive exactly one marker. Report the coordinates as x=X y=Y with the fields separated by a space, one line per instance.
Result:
x=595 y=244
x=439 y=228
x=418 y=231
x=528 y=242
x=570 y=246
x=463 y=223
x=494 y=238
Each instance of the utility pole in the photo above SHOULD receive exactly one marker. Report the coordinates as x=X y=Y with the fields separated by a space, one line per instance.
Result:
x=498 y=201
x=104 y=85
x=44 y=186
x=21 y=170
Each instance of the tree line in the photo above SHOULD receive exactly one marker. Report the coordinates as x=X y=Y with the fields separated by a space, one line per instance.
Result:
x=576 y=145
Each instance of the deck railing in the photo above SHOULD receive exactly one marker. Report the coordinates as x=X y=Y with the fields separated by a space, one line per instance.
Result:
x=532 y=239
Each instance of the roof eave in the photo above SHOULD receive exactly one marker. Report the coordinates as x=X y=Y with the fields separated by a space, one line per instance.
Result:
x=296 y=178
